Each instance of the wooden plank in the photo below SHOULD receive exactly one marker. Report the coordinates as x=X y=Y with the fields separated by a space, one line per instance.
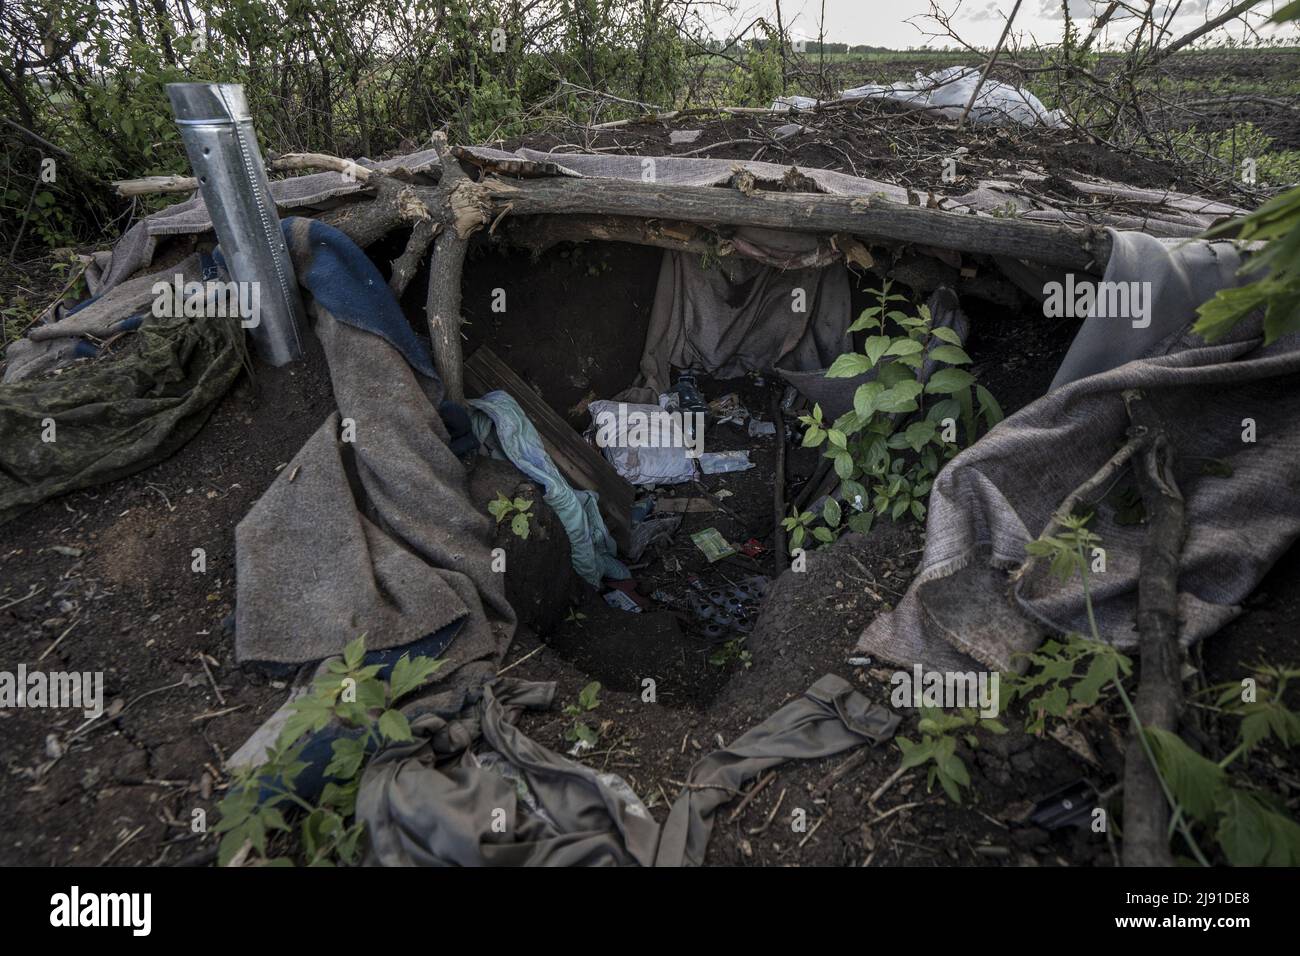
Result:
x=871 y=217
x=581 y=464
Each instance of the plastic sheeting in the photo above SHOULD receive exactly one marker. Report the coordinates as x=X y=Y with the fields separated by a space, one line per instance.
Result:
x=948 y=91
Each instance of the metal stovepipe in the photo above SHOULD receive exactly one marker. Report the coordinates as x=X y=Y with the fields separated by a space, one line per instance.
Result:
x=217 y=130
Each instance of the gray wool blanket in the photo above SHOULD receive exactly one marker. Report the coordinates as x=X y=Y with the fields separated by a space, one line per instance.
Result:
x=1232 y=411
x=370 y=528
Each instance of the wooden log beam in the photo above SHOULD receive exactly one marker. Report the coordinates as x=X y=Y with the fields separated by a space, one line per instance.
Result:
x=537 y=234
x=442 y=308
x=1062 y=247
x=618 y=210
x=1160 y=688
x=370 y=216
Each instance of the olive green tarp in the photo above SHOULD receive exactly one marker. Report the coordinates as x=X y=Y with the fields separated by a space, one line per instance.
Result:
x=104 y=419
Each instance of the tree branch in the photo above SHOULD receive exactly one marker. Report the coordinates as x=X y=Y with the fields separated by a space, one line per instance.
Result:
x=405 y=265
x=461 y=201
x=1208 y=26
x=1159 y=695
x=1083 y=249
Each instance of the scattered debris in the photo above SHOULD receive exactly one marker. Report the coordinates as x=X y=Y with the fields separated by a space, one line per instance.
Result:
x=721 y=462
x=728 y=410
x=714 y=546
x=646 y=444
x=1071 y=806
x=621 y=600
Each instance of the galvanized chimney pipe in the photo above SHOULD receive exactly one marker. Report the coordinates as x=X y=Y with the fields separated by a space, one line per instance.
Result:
x=217 y=130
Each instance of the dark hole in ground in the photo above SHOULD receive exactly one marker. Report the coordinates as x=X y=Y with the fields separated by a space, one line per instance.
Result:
x=572 y=323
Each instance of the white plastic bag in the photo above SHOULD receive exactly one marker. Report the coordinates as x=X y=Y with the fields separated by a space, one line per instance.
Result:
x=646 y=444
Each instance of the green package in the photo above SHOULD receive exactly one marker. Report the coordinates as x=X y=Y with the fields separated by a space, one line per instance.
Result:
x=713 y=544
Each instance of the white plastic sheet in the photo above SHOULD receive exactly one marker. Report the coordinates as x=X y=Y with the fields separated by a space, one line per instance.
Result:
x=949 y=90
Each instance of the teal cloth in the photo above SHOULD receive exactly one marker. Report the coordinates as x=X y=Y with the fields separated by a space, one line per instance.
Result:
x=503 y=428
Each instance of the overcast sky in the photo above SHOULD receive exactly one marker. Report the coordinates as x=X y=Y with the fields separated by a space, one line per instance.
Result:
x=885 y=22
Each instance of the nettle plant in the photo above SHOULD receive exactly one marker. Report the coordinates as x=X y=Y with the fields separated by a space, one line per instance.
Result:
x=887 y=449
x=1066 y=677
x=351 y=694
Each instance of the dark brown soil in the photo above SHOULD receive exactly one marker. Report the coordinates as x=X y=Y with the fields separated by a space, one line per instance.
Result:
x=130 y=605
x=124 y=790
x=539 y=335
x=877 y=141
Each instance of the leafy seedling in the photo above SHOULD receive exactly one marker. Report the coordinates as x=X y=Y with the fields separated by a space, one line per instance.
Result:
x=580 y=731
x=938 y=747
x=888 y=448
x=515 y=510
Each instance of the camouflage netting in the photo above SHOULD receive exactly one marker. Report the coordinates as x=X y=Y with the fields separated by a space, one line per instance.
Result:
x=109 y=418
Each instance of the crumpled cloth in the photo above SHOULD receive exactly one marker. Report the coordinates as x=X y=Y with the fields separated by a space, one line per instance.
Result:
x=114 y=417
x=62 y=337
x=999 y=494
x=501 y=426
x=740 y=315
x=473 y=790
